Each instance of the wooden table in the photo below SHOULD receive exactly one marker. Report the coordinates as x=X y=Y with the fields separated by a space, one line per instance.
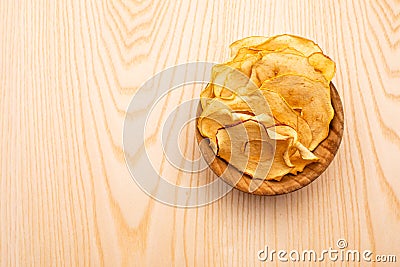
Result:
x=69 y=70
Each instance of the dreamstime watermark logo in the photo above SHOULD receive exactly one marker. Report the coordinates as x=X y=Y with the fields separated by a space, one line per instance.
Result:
x=341 y=253
x=143 y=124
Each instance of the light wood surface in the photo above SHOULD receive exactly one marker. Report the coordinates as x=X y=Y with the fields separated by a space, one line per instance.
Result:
x=68 y=72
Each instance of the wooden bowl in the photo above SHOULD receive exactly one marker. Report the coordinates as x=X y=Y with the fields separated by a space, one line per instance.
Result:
x=326 y=151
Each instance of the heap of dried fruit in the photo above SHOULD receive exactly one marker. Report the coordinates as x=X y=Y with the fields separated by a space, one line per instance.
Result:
x=269 y=107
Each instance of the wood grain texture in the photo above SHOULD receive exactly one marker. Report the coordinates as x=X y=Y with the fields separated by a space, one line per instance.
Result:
x=69 y=70
x=325 y=151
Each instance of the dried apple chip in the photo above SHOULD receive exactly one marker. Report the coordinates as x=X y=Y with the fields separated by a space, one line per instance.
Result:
x=284 y=132
x=230 y=77
x=278 y=64
x=246 y=42
x=324 y=64
x=285 y=115
x=304 y=46
x=247 y=147
x=215 y=116
x=300 y=163
x=246 y=52
x=312 y=97
x=206 y=95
